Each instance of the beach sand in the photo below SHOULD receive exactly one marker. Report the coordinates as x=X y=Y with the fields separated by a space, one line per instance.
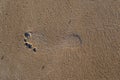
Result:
x=59 y=39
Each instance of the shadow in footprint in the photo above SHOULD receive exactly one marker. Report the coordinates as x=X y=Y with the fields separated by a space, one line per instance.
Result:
x=34 y=49
x=25 y=40
x=27 y=34
x=28 y=45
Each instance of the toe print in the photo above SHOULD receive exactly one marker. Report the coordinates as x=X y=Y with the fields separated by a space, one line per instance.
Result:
x=27 y=35
x=27 y=44
x=34 y=49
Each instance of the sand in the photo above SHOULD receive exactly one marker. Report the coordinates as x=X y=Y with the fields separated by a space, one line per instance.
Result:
x=68 y=40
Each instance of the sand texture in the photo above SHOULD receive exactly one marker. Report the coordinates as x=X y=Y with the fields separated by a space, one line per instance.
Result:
x=59 y=39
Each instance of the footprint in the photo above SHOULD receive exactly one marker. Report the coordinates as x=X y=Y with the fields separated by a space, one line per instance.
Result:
x=25 y=40
x=28 y=45
x=27 y=35
x=34 y=49
x=77 y=37
x=70 y=41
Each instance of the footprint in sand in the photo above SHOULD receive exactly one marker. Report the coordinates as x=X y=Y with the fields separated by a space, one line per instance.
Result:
x=27 y=36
